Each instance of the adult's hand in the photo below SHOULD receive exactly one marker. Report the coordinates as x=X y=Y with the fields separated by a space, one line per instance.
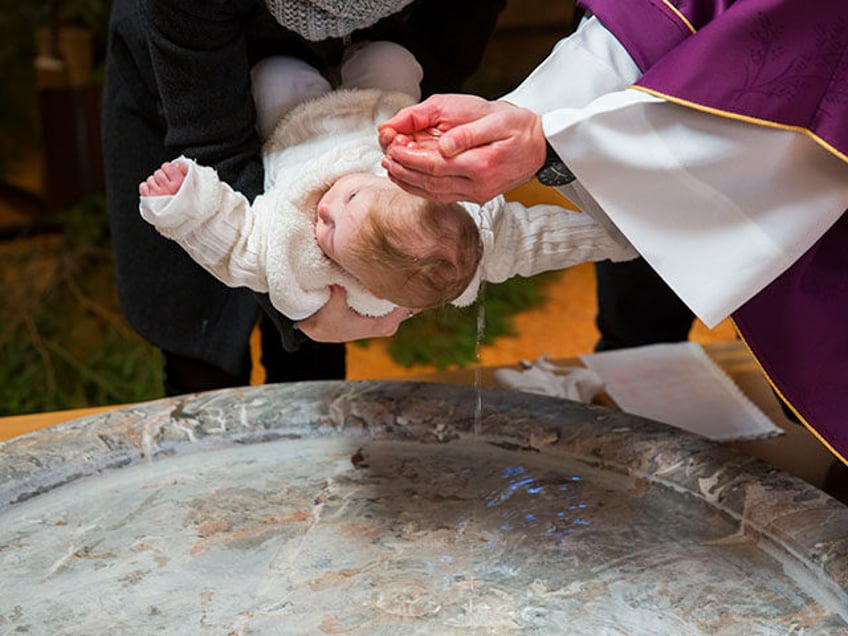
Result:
x=336 y=322
x=462 y=147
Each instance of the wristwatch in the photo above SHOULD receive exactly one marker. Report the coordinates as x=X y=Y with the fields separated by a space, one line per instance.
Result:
x=554 y=172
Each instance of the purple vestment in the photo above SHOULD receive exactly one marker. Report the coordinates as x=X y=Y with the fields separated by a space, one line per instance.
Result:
x=780 y=63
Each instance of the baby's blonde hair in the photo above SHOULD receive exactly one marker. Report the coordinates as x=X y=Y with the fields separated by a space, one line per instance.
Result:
x=427 y=252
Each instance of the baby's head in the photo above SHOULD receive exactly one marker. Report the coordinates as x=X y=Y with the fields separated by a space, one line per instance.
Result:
x=412 y=251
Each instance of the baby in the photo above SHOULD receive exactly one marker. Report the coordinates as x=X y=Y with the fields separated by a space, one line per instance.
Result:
x=387 y=248
x=330 y=215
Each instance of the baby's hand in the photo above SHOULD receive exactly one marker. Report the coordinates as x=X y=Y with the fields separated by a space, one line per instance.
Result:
x=166 y=180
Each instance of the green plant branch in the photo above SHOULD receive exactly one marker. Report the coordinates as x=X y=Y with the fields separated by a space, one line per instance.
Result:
x=85 y=371
x=47 y=363
x=97 y=309
x=448 y=336
x=65 y=341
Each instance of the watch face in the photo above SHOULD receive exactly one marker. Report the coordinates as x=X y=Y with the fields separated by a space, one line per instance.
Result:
x=555 y=174
x=554 y=171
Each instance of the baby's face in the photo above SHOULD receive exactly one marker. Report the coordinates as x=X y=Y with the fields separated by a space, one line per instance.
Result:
x=341 y=212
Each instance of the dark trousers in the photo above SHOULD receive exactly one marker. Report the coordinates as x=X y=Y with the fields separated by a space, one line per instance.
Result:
x=312 y=361
x=636 y=307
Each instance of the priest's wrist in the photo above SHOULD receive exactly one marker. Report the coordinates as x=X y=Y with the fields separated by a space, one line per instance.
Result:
x=554 y=172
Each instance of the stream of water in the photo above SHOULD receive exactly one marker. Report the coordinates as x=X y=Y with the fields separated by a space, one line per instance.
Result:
x=478 y=425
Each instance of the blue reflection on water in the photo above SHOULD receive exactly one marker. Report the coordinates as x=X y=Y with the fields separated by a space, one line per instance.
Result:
x=516 y=470
x=530 y=500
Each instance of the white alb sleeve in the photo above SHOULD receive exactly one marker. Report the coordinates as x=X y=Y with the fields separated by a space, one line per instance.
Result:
x=582 y=67
x=719 y=207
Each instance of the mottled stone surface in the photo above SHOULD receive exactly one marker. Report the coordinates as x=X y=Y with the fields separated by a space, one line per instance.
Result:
x=390 y=508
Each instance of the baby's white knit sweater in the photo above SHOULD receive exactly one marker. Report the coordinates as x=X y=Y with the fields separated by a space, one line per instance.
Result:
x=270 y=246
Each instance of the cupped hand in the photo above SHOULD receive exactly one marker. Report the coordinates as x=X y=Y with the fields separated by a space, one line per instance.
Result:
x=336 y=322
x=462 y=147
x=438 y=112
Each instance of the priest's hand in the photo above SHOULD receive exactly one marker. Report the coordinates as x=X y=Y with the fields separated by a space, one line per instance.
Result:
x=462 y=147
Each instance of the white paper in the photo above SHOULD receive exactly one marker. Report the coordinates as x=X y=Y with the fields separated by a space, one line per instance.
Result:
x=678 y=384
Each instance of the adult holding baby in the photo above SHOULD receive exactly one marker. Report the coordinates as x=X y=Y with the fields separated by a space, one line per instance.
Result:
x=714 y=137
x=178 y=82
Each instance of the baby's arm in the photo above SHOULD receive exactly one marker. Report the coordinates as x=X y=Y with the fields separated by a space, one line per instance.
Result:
x=164 y=181
x=522 y=241
x=525 y=241
x=209 y=220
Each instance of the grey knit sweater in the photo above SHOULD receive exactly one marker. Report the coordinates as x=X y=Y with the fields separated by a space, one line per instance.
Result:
x=321 y=19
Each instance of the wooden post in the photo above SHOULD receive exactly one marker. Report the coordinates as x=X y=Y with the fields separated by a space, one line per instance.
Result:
x=69 y=108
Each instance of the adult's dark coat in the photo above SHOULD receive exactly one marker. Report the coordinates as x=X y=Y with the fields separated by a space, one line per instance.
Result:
x=178 y=82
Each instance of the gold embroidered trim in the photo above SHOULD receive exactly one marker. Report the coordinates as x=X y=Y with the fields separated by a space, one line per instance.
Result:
x=806 y=424
x=746 y=118
x=682 y=17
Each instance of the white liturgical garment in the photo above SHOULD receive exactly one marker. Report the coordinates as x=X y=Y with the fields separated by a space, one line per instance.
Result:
x=718 y=207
